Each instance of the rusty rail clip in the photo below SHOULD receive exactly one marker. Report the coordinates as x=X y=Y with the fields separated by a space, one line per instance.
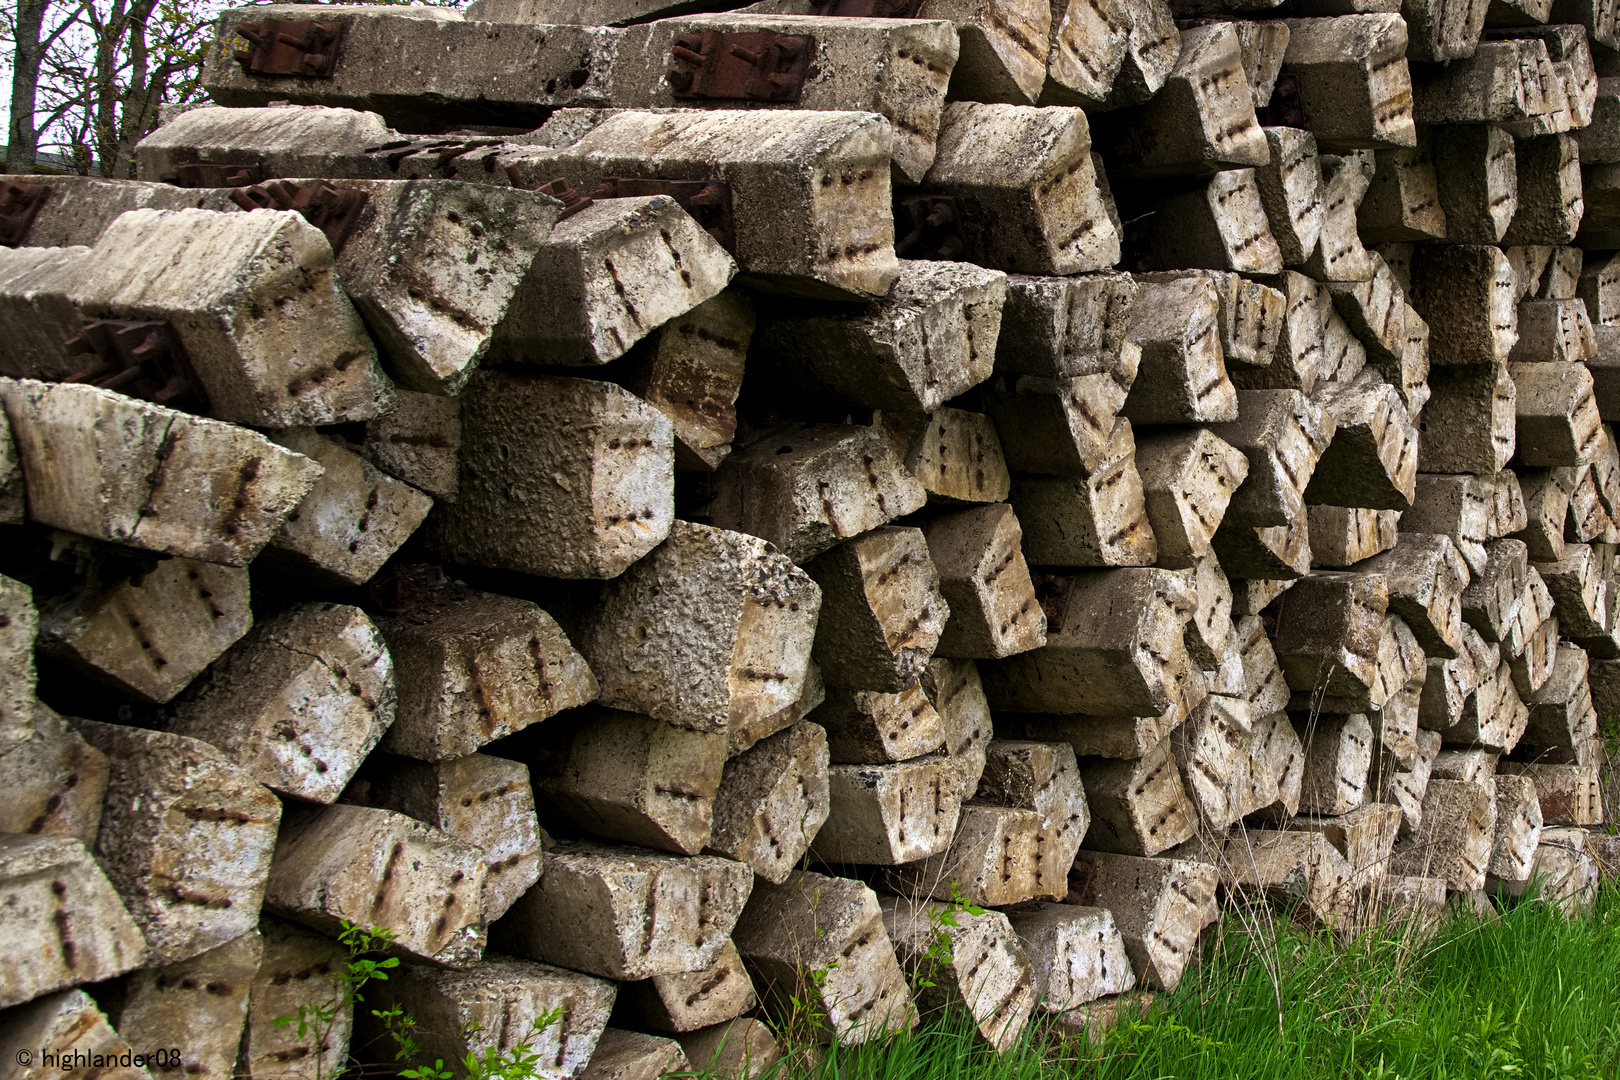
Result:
x=763 y=66
x=708 y=201
x=559 y=189
x=933 y=226
x=140 y=359
x=332 y=210
x=19 y=205
x=299 y=47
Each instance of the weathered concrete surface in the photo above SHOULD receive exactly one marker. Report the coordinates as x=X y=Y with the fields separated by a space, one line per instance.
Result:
x=471 y=667
x=1077 y=953
x=70 y=1024
x=51 y=883
x=691 y=1000
x=498 y=1005
x=351 y=522
x=795 y=233
x=483 y=800
x=630 y=1055
x=881 y=610
x=379 y=868
x=627 y=913
x=805 y=925
x=636 y=779
x=299 y=702
x=805 y=487
x=1160 y=906
x=773 y=801
x=897 y=69
x=987 y=973
x=560 y=477
x=52 y=781
x=1036 y=202
x=930 y=339
x=713 y=631
x=106 y=466
x=299 y=968
x=609 y=275
x=147 y=630
x=186 y=838
x=255 y=301
x=198 y=1006
x=271 y=142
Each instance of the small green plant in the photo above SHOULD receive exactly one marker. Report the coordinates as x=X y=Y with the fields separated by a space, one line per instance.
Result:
x=520 y=1062
x=400 y=1026
x=798 y=1025
x=362 y=964
x=805 y=1014
x=942 y=917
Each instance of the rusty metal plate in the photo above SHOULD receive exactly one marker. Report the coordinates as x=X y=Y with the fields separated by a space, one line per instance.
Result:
x=140 y=359
x=929 y=227
x=442 y=150
x=296 y=47
x=760 y=66
x=202 y=174
x=330 y=209
x=19 y=205
x=559 y=189
x=708 y=201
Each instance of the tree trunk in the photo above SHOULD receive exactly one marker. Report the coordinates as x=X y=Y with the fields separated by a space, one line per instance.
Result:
x=22 y=138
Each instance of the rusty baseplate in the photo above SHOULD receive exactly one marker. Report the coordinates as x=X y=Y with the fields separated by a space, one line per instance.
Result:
x=762 y=66
x=330 y=209
x=929 y=227
x=142 y=359
x=296 y=47
x=19 y=205
x=559 y=189
x=443 y=148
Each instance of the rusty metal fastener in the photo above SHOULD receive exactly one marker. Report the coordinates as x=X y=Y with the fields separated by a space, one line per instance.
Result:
x=761 y=66
x=332 y=210
x=934 y=228
x=559 y=189
x=142 y=359
x=708 y=201
x=208 y=174
x=19 y=205
x=291 y=47
x=402 y=589
x=443 y=149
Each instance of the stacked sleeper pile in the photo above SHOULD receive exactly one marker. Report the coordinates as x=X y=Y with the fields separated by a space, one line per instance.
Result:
x=671 y=519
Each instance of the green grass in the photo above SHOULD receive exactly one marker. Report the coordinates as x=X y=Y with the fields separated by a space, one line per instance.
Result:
x=1532 y=995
